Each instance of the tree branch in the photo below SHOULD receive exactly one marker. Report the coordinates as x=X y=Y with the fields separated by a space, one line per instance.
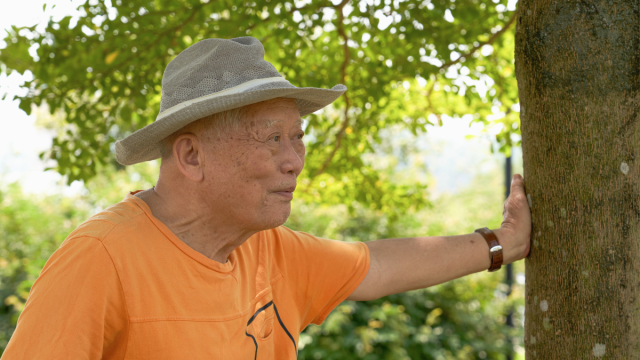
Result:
x=470 y=53
x=345 y=122
x=430 y=105
x=315 y=4
x=488 y=42
x=173 y=31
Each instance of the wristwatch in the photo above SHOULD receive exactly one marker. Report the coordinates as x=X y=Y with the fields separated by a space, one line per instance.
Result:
x=495 y=249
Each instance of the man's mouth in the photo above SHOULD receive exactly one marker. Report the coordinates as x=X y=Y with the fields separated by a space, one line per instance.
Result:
x=286 y=192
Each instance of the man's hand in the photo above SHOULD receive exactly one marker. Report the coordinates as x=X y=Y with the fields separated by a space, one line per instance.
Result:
x=516 y=223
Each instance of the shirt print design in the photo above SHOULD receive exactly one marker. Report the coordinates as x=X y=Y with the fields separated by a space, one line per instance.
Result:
x=255 y=315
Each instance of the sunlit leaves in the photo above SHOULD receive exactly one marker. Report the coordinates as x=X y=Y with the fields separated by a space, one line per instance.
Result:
x=405 y=63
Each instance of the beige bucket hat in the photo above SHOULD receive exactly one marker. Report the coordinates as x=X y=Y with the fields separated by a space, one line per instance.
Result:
x=212 y=76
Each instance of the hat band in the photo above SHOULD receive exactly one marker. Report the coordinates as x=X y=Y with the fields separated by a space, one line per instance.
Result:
x=230 y=91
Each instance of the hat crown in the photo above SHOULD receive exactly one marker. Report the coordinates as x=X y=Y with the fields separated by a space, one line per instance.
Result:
x=213 y=65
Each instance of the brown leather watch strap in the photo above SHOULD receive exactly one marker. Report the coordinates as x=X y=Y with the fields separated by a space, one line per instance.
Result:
x=495 y=249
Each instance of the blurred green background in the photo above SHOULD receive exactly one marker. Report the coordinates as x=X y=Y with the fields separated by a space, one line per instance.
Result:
x=462 y=319
x=89 y=72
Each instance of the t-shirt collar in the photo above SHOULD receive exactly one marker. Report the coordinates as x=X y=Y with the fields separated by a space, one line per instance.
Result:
x=212 y=264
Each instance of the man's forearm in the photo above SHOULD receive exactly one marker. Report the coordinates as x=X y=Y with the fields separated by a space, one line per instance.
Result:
x=399 y=265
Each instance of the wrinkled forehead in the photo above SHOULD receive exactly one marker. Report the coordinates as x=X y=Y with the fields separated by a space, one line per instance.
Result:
x=263 y=125
x=274 y=112
x=267 y=123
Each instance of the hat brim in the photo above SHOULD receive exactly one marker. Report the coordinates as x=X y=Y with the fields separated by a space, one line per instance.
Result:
x=144 y=144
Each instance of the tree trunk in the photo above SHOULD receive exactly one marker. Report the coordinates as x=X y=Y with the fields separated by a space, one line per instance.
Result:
x=577 y=65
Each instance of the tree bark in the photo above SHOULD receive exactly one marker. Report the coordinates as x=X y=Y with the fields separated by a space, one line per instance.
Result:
x=577 y=65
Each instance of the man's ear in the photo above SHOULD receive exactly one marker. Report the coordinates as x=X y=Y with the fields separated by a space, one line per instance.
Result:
x=188 y=154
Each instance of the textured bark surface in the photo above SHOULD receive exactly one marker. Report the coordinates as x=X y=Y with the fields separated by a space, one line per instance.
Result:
x=577 y=67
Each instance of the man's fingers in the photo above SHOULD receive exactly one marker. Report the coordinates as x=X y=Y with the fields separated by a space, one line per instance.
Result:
x=517 y=184
x=517 y=188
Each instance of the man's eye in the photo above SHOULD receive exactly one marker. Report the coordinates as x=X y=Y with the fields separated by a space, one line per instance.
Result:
x=300 y=136
x=276 y=138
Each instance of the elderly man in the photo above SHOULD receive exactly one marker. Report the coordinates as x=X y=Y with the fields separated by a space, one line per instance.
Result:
x=200 y=266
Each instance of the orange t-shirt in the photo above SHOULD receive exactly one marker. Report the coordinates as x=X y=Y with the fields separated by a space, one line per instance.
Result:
x=123 y=286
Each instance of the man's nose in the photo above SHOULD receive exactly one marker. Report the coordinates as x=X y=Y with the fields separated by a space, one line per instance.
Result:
x=293 y=161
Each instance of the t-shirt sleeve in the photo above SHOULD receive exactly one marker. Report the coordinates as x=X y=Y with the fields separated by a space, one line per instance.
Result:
x=75 y=309
x=321 y=273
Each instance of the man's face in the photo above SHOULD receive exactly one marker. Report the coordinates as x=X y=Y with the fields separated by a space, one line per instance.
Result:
x=252 y=174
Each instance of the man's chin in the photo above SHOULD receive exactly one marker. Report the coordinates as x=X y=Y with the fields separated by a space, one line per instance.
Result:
x=277 y=218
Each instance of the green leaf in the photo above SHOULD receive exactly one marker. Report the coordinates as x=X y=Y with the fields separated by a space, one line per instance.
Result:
x=400 y=76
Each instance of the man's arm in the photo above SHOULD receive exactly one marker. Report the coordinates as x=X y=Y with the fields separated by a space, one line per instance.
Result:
x=399 y=265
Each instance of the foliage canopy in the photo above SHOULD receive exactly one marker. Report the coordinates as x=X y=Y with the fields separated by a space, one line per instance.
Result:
x=406 y=63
